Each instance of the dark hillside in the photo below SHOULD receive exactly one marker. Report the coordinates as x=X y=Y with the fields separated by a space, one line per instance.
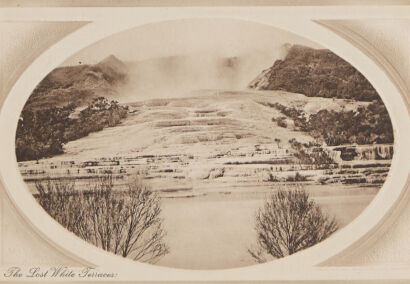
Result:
x=78 y=85
x=43 y=133
x=315 y=73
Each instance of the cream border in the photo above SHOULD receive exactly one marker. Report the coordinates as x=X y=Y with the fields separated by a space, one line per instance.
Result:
x=311 y=30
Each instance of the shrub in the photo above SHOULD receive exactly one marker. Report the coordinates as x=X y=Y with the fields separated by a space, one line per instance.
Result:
x=323 y=180
x=296 y=177
x=281 y=121
x=299 y=177
x=273 y=178
x=288 y=222
x=125 y=223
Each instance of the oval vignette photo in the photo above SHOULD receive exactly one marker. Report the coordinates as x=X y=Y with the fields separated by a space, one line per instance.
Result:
x=204 y=143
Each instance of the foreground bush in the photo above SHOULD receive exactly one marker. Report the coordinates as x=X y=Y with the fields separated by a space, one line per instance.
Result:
x=288 y=222
x=125 y=223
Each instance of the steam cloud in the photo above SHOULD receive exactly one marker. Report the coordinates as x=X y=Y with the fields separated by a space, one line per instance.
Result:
x=178 y=76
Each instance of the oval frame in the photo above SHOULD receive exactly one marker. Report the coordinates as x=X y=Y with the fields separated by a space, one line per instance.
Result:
x=87 y=254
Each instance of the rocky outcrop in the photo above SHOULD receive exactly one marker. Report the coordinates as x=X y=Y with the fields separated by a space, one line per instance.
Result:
x=364 y=152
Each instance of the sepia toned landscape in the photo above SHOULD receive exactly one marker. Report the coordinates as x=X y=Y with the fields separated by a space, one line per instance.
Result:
x=197 y=162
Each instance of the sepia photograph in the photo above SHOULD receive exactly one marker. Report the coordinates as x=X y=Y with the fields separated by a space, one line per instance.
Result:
x=204 y=143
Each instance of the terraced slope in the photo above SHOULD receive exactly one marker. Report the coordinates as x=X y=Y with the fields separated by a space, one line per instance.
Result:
x=211 y=141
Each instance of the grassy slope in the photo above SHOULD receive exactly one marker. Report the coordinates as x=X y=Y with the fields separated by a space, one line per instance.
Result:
x=78 y=84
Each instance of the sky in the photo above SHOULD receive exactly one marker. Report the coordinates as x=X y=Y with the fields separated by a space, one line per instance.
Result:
x=174 y=58
x=184 y=37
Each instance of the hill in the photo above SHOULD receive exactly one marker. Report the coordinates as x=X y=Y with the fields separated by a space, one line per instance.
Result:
x=315 y=73
x=128 y=81
x=78 y=85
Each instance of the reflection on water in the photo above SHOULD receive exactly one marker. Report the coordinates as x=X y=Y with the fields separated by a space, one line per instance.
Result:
x=214 y=231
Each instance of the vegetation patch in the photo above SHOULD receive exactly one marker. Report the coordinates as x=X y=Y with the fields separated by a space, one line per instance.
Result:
x=43 y=133
x=366 y=125
x=311 y=154
x=316 y=73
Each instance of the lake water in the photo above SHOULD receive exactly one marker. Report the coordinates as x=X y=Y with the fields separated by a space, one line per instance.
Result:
x=214 y=231
x=213 y=228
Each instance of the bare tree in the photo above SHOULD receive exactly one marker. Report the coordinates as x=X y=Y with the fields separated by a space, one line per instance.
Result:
x=60 y=200
x=125 y=222
x=288 y=222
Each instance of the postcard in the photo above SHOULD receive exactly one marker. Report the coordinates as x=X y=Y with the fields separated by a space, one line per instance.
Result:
x=159 y=141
